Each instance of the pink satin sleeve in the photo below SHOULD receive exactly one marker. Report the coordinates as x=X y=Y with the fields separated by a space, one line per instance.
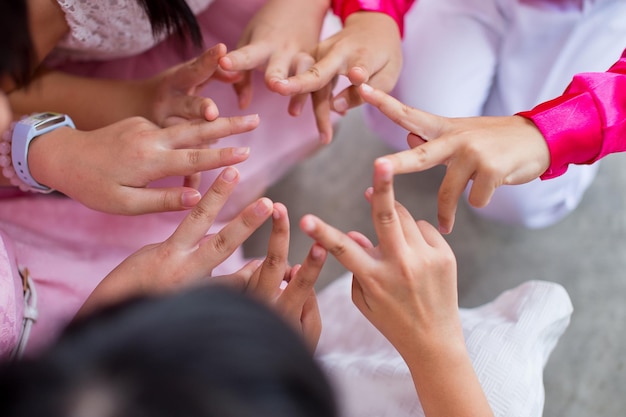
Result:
x=587 y=122
x=396 y=9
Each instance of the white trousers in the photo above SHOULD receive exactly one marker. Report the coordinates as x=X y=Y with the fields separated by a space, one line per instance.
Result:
x=499 y=57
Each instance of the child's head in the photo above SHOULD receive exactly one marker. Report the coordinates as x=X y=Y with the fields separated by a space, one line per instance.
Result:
x=207 y=352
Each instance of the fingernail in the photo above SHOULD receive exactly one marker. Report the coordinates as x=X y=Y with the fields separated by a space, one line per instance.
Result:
x=281 y=81
x=367 y=88
x=324 y=138
x=229 y=174
x=251 y=118
x=262 y=207
x=276 y=214
x=190 y=198
x=340 y=105
x=443 y=230
x=307 y=224
x=241 y=151
x=385 y=168
x=317 y=252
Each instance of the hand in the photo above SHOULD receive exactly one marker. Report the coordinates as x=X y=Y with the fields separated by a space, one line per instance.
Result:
x=290 y=290
x=188 y=256
x=406 y=285
x=368 y=49
x=109 y=169
x=279 y=39
x=491 y=151
x=173 y=92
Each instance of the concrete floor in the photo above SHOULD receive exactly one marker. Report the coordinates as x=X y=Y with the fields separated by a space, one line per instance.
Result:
x=586 y=253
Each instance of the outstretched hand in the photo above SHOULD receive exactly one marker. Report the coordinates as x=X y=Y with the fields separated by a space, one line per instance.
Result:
x=490 y=151
x=109 y=169
x=405 y=285
x=289 y=290
x=189 y=255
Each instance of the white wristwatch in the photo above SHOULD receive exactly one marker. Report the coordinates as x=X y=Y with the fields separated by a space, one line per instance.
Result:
x=23 y=134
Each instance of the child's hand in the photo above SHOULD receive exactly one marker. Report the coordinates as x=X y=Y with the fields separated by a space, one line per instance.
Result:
x=368 y=49
x=109 y=169
x=406 y=285
x=279 y=39
x=491 y=151
x=173 y=96
x=189 y=255
x=289 y=290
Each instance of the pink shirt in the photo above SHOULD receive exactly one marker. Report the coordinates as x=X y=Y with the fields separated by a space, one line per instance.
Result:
x=396 y=9
x=587 y=122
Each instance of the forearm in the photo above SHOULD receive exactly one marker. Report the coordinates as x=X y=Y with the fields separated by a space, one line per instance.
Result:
x=445 y=380
x=92 y=103
x=396 y=9
x=587 y=122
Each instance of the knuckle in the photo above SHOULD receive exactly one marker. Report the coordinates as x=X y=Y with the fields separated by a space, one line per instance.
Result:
x=198 y=213
x=337 y=250
x=385 y=217
x=220 y=243
x=193 y=157
x=274 y=261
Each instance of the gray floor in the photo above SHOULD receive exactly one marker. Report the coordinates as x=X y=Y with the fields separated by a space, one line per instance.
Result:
x=586 y=374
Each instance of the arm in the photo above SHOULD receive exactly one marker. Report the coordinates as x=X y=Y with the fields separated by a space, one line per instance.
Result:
x=406 y=286
x=587 y=122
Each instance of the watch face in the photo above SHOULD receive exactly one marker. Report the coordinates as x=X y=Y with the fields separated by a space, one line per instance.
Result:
x=44 y=120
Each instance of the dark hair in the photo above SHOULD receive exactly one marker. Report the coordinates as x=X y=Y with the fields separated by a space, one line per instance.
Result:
x=210 y=352
x=16 y=48
x=172 y=17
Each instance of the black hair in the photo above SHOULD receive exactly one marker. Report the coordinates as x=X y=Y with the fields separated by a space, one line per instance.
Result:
x=16 y=49
x=210 y=352
x=172 y=17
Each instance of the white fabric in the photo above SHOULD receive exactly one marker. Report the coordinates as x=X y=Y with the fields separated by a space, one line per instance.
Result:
x=106 y=29
x=499 y=57
x=509 y=341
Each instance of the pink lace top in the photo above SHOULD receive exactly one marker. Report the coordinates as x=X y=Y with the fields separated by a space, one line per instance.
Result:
x=108 y=29
x=587 y=122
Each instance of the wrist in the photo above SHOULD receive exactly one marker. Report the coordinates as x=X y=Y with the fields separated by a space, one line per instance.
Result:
x=395 y=9
x=16 y=146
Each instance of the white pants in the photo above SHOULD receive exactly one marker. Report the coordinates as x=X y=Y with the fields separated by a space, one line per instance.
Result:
x=499 y=57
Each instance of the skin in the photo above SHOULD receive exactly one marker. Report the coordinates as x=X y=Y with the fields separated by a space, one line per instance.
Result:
x=188 y=256
x=489 y=151
x=367 y=49
x=109 y=169
x=406 y=287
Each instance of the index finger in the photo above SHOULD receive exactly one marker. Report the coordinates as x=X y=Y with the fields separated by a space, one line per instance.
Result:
x=199 y=132
x=412 y=119
x=384 y=215
x=421 y=157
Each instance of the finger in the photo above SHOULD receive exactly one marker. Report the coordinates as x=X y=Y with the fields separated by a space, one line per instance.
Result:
x=275 y=263
x=193 y=180
x=450 y=191
x=407 y=223
x=243 y=89
x=482 y=189
x=303 y=63
x=321 y=109
x=246 y=58
x=384 y=216
x=238 y=280
x=194 y=107
x=313 y=79
x=422 y=157
x=198 y=222
x=157 y=200
x=190 y=161
x=279 y=67
x=200 y=132
x=431 y=236
x=221 y=245
x=302 y=283
x=361 y=239
x=415 y=121
x=348 y=252
x=311 y=322
x=346 y=99
x=198 y=70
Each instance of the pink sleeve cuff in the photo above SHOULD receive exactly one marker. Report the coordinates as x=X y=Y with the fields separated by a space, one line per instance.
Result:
x=396 y=9
x=572 y=129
